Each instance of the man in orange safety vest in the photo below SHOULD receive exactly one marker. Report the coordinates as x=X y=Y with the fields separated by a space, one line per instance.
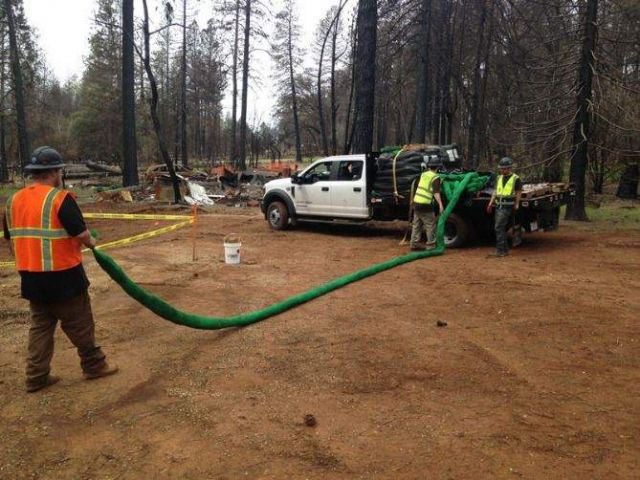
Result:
x=46 y=231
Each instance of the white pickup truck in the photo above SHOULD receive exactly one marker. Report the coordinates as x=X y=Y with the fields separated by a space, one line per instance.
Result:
x=331 y=188
x=340 y=188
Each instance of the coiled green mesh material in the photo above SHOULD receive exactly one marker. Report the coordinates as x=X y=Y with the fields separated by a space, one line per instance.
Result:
x=454 y=185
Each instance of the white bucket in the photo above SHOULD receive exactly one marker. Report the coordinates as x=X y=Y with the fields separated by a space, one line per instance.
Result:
x=232 y=249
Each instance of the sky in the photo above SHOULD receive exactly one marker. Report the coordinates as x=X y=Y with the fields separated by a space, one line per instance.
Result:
x=64 y=26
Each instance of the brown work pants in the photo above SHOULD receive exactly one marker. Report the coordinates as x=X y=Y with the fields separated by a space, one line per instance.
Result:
x=76 y=320
x=423 y=220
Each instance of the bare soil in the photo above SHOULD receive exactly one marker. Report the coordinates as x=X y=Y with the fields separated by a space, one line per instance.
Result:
x=535 y=375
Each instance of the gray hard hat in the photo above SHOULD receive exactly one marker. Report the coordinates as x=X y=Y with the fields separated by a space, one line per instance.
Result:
x=44 y=158
x=434 y=162
x=505 y=162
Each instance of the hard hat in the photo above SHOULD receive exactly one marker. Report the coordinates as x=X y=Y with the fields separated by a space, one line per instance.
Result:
x=44 y=158
x=505 y=162
x=434 y=162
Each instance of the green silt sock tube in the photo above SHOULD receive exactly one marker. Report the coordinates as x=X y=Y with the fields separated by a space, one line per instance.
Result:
x=454 y=185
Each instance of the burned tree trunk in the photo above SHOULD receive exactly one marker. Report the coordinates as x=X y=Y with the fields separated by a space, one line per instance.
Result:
x=323 y=127
x=332 y=91
x=581 y=129
x=4 y=167
x=442 y=117
x=423 y=93
x=234 y=79
x=628 y=186
x=348 y=132
x=130 y=173
x=183 y=89
x=157 y=127
x=18 y=86
x=472 y=151
x=365 y=75
x=292 y=80
x=242 y=160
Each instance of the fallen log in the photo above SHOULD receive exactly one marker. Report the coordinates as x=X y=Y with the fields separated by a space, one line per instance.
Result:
x=101 y=167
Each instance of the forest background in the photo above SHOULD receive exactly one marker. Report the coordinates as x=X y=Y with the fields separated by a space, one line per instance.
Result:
x=555 y=84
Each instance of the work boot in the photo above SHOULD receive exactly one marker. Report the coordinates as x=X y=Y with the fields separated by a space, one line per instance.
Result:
x=415 y=248
x=47 y=382
x=497 y=255
x=105 y=371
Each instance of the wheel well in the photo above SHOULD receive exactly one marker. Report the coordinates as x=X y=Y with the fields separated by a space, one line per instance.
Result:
x=464 y=229
x=279 y=197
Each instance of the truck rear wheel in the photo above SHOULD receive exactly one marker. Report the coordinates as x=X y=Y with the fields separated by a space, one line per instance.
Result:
x=278 y=216
x=457 y=231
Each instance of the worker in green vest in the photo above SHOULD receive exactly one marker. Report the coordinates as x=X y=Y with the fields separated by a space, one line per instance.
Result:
x=506 y=198
x=424 y=213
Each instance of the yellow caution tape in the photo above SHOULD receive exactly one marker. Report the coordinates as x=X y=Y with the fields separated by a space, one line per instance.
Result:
x=143 y=236
x=134 y=216
x=129 y=240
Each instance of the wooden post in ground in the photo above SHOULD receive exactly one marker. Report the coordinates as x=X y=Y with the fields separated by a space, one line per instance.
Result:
x=194 y=231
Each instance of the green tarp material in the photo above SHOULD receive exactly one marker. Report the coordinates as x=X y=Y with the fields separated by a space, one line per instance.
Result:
x=454 y=186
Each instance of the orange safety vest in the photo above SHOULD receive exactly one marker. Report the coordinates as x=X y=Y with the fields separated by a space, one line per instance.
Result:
x=40 y=242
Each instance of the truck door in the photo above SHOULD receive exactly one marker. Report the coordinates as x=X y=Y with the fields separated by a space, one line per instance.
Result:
x=313 y=195
x=348 y=191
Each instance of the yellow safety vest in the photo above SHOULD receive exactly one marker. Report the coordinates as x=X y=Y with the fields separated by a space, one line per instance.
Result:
x=506 y=192
x=424 y=192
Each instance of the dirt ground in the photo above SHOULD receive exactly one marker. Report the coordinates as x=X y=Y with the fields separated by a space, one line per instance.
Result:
x=536 y=375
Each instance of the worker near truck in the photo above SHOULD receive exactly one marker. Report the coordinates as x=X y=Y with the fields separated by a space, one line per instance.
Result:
x=424 y=213
x=506 y=198
x=46 y=231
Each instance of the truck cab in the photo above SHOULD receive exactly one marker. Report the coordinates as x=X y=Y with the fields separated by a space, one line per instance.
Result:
x=330 y=188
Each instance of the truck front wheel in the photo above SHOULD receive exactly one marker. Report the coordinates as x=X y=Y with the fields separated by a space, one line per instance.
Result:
x=457 y=231
x=278 y=215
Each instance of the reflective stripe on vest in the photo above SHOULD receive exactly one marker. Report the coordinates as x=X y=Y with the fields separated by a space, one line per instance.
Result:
x=424 y=192
x=41 y=244
x=506 y=193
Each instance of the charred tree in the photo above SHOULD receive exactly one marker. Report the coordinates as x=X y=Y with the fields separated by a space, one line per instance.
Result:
x=18 y=85
x=157 y=126
x=332 y=86
x=294 y=100
x=472 y=151
x=628 y=186
x=581 y=129
x=183 y=89
x=234 y=78
x=4 y=161
x=348 y=130
x=423 y=93
x=323 y=124
x=130 y=170
x=242 y=160
x=365 y=75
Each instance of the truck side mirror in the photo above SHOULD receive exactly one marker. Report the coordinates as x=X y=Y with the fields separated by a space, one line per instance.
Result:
x=295 y=179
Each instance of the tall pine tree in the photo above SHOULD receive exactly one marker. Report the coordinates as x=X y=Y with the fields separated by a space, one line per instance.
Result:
x=97 y=126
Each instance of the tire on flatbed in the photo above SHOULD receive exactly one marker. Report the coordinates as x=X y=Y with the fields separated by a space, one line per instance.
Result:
x=277 y=215
x=457 y=231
